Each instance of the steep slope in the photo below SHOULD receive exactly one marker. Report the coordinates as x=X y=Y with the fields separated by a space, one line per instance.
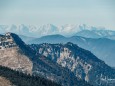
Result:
x=10 y=77
x=17 y=55
x=12 y=56
x=103 y=48
x=81 y=62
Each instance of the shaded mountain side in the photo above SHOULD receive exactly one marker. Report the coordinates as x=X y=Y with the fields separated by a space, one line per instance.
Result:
x=103 y=48
x=81 y=62
x=25 y=48
x=46 y=68
x=55 y=72
x=20 y=79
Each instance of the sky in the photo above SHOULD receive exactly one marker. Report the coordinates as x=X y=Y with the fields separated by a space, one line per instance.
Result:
x=58 y=12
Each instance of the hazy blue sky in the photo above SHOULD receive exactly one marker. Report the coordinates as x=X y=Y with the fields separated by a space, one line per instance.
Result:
x=58 y=12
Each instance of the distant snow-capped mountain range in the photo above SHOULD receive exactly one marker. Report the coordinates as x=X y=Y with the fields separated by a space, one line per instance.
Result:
x=30 y=30
x=50 y=29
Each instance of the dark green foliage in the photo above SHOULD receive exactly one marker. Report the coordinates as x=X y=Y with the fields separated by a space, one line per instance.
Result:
x=20 y=79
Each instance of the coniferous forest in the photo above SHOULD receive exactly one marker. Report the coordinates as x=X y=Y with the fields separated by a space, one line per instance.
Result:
x=19 y=79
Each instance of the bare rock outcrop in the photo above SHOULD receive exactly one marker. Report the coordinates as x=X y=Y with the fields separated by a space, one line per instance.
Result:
x=11 y=55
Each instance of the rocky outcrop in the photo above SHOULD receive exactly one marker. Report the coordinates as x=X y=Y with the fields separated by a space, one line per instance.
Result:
x=11 y=55
x=15 y=54
x=81 y=62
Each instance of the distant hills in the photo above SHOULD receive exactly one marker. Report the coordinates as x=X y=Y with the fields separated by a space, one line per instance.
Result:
x=38 y=31
x=96 y=34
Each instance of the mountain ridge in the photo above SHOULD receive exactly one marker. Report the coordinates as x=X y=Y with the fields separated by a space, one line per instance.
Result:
x=49 y=29
x=98 y=46
x=81 y=62
x=37 y=64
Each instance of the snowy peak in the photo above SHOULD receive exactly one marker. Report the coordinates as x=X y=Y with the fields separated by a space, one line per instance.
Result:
x=50 y=29
x=47 y=29
x=69 y=28
x=95 y=33
x=49 y=26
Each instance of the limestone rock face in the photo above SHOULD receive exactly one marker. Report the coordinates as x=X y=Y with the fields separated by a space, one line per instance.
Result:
x=12 y=56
